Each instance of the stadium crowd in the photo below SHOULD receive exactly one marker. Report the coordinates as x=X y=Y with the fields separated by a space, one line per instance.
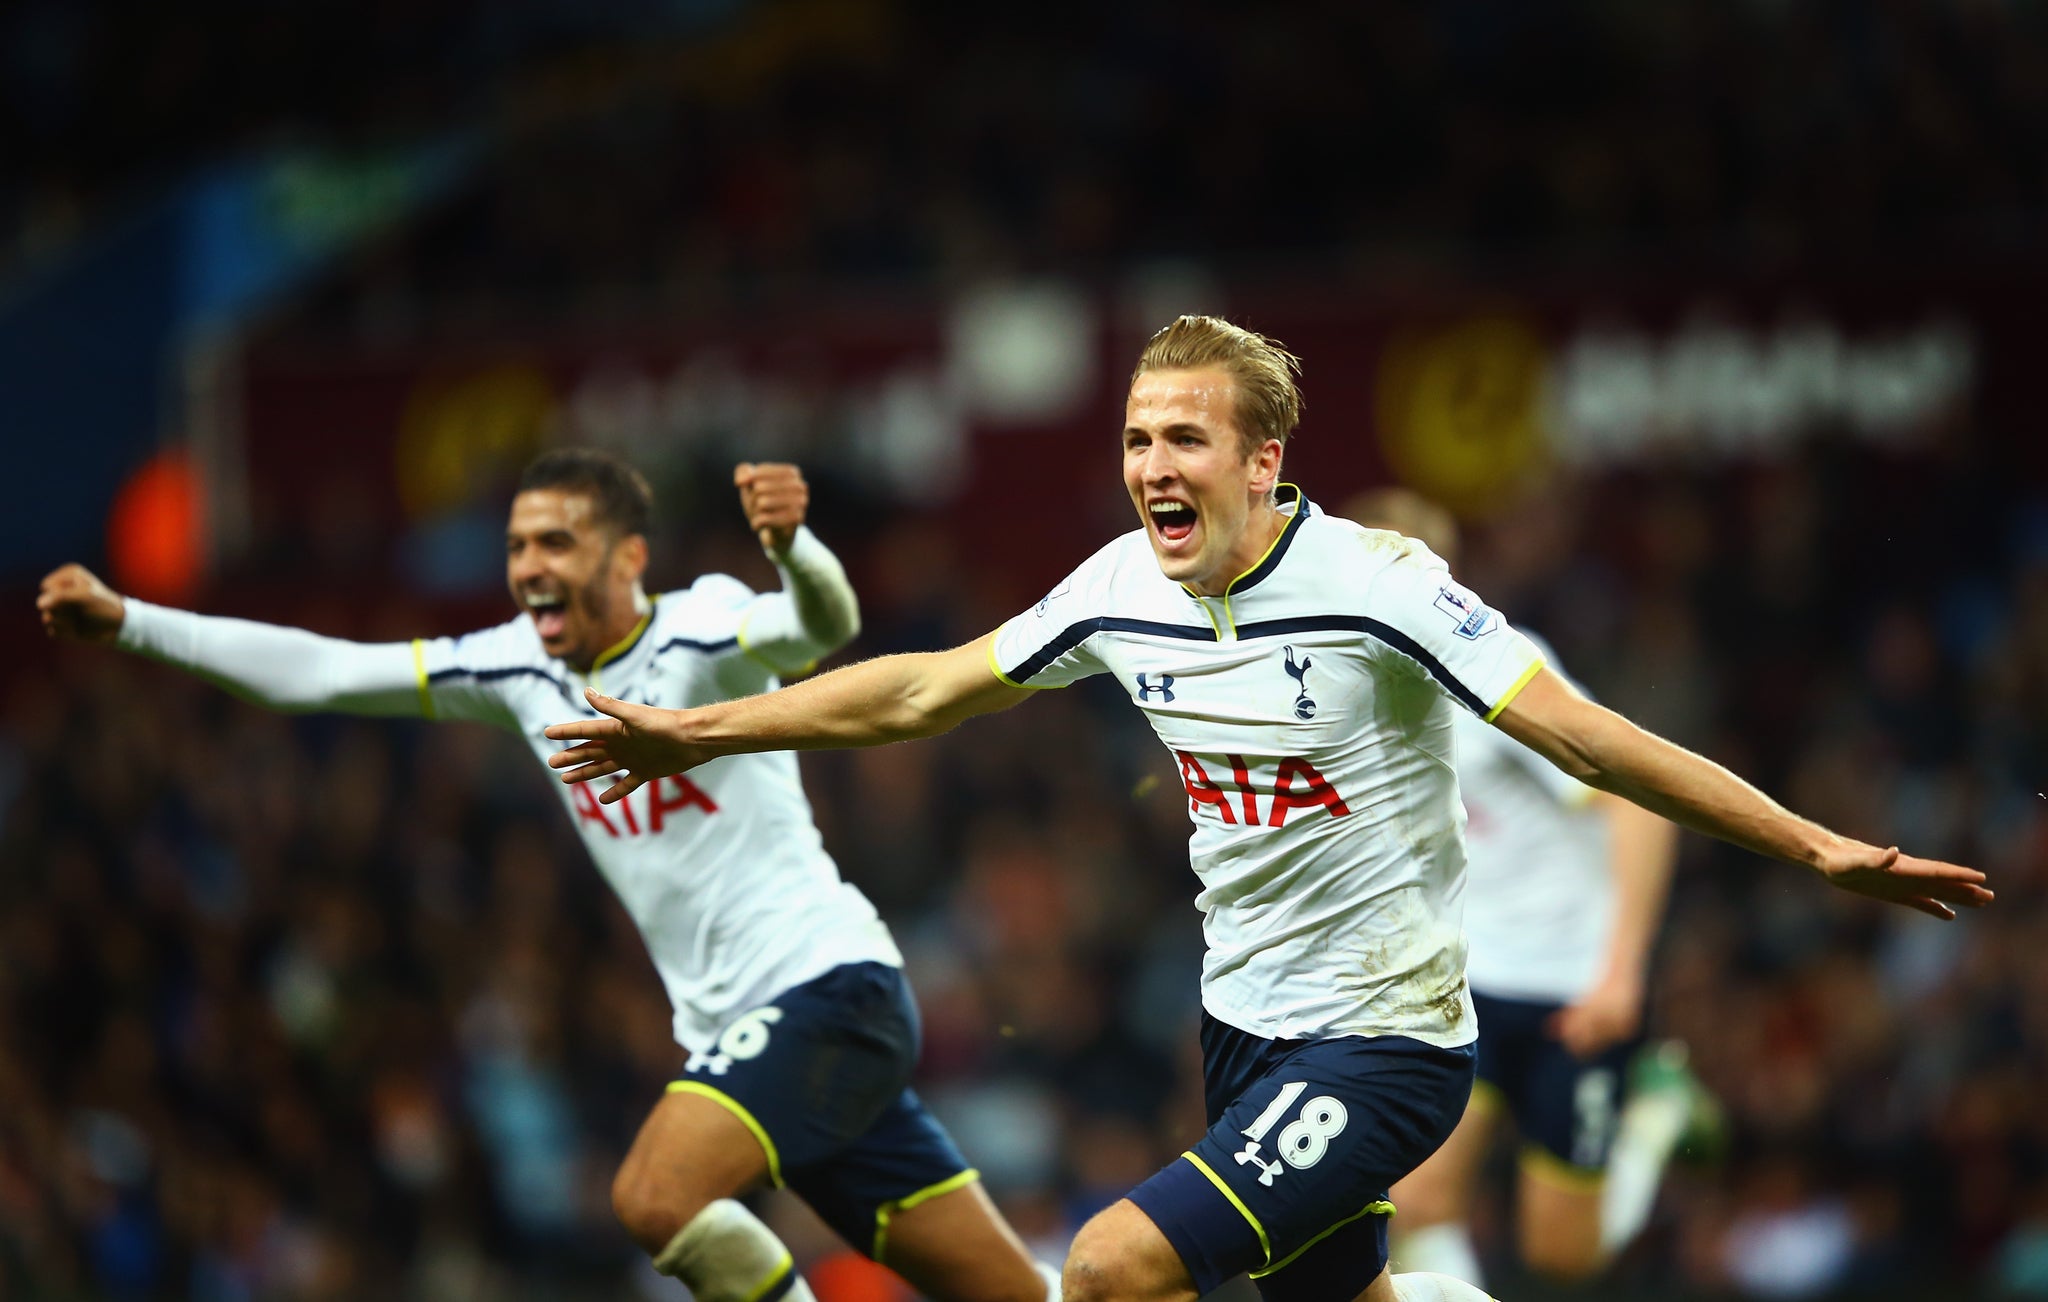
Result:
x=748 y=148
x=324 y=1008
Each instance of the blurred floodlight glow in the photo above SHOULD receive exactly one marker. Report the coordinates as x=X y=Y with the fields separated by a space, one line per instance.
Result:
x=1022 y=354
x=153 y=531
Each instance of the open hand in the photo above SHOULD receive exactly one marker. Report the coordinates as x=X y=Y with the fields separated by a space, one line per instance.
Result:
x=638 y=742
x=75 y=604
x=775 y=497
x=1928 y=885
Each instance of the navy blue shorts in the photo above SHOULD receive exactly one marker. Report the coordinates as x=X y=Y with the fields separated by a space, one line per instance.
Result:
x=1565 y=1107
x=819 y=1075
x=1305 y=1138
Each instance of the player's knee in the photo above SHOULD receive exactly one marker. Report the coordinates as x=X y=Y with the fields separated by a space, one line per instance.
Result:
x=1103 y=1266
x=652 y=1211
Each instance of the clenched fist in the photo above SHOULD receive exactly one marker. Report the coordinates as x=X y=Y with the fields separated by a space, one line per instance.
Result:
x=75 y=604
x=775 y=497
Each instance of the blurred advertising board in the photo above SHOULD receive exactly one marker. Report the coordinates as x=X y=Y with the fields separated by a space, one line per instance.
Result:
x=1005 y=404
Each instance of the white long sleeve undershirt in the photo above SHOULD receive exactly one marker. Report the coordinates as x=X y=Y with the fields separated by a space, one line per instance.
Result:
x=292 y=669
x=821 y=615
x=282 y=668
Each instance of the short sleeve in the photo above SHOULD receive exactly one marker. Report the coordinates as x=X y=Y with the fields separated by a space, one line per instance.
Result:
x=711 y=619
x=1562 y=786
x=465 y=677
x=1048 y=645
x=1415 y=607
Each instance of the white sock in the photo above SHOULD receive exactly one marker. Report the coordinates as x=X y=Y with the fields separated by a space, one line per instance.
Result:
x=1418 y=1287
x=1444 y=1248
x=1051 y=1276
x=1651 y=1125
x=727 y=1255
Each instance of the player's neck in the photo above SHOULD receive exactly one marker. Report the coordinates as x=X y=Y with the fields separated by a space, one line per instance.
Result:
x=1260 y=530
x=616 y=633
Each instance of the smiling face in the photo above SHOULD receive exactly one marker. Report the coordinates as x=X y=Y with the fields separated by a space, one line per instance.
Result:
x=572 y=573
x=1205 y=499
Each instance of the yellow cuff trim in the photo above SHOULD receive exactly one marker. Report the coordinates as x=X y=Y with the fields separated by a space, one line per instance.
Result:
x=740 y=636
x=908 y=1201
x=419 y=669
x=1004 y=678
x=782 y=1268
x=1544 y=1165
x=733 y=1105
x=1505 y=701
x=1378 y=1207
x=1265 y=1244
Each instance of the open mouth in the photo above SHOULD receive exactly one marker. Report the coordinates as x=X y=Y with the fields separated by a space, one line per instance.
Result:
x=1174 y=520
x=550 y=614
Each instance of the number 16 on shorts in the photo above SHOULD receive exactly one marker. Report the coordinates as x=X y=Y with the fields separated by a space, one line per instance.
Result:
x=1304 y=1140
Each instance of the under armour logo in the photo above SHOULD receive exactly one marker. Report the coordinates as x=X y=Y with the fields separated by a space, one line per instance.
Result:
x=1304 y=708
x=1164 y=687
x=1250 y=1157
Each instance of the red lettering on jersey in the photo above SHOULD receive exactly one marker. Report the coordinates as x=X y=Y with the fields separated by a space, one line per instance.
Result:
x=1319 y=792
x=632 y=819
x=687 y=793
x=1201 y=791
x=1240 y=771
x=589 y=810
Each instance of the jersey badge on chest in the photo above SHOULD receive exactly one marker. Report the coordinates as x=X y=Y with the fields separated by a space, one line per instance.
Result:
x=1304 y=707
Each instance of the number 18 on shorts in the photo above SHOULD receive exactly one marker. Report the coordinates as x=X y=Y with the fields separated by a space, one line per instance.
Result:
x=1290 y=1182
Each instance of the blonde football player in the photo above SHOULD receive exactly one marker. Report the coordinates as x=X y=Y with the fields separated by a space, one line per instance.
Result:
x=787 y=989
x=1303 y=672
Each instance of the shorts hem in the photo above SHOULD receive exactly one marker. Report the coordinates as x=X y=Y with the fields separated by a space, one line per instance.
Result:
x=747 y=1119
x=885 y=1211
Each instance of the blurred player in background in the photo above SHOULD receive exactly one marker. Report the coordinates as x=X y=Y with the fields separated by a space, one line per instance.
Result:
x=787 y=988
x=1565 y=892
x=1303 y=671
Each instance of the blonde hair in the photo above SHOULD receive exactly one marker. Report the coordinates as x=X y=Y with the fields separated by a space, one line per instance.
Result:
x=1268 y=400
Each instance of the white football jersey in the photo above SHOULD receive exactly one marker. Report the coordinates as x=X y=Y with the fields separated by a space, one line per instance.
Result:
x=722 y=868
x=1540 y=900
x=1310 y=711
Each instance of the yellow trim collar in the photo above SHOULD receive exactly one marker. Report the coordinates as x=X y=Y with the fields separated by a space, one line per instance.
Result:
x=734 y=1106
x=1293 y=518
x=908 y=1201
x=1528 y=676
x=623 y=645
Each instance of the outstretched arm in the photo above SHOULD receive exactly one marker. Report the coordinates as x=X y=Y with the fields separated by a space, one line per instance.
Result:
x=1604 y=750
x=894 y=698
x=282 y=668
x=816 y=612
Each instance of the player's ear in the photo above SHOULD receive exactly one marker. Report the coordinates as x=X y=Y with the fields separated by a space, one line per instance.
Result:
x=1265 y=461
x=631 y=555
